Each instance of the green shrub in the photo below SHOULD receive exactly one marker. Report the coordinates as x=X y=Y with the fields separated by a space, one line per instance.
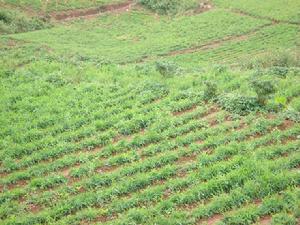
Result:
x=238 y=104
x=283 y=59
x=210 y=91
x=5 y=16
x=169 y=6
x=263 y=89
x=291 y=114
x=279 y=71
x=12 y=21
x=167 y=69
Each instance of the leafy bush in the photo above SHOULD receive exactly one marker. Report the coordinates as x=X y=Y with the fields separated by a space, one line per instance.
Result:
x=5 y=16
x=210 y=91
x=167 y=68
x=238 y=104
x=291 y=114
x=263 y=89
x=279 y=71
x=169 y=6
x=16 y=22
x=283 y=59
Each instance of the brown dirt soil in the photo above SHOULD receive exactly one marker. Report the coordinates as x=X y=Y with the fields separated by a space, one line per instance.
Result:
x=92 y=12
x=107 y=169
x=34 y=208
x=203 y=7
x=286 y=125
x=186 y=159
x=185 y=111
x=211 y=220
x=19 y=183
x=265 y=220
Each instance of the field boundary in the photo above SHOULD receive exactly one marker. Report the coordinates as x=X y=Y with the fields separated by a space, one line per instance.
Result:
x=273 y=20
x=91 y=12
x=209 y=45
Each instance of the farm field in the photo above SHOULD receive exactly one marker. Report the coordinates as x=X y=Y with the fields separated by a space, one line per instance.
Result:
x=57 y=5
x=154 y=112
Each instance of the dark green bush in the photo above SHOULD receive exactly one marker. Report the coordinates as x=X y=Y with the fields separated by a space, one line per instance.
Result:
x=169 y=6
x=263 y=89
x=279 y=71
x=210 y=91
x=5 y=17
x=167 y=69
x=238 y=104
x=12 y=21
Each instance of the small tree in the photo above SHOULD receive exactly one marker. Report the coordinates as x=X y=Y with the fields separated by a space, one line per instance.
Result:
x=263 y=89
x=210 y=90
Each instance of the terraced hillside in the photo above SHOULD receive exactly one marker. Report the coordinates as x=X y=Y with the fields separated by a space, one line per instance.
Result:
x=129 y=116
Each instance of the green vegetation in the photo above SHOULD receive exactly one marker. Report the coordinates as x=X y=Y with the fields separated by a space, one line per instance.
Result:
x=170 y=6
x=57 y=5
x=138 y=117
x=14 y=21
x=288 y=10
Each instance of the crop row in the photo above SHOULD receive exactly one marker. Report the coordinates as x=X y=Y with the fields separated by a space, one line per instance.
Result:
x=158 y=193
x=108 y=180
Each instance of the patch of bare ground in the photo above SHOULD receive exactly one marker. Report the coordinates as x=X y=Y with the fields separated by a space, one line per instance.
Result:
x=265 y=220
x=193 y=108
x=286 y=125
x=203 y=7
x=18 y=184
x=186 y=159
x=211 y=220
x=212 y=112
x=34 y=208
x=289 y=139
x=92 y=12
x=107 y=169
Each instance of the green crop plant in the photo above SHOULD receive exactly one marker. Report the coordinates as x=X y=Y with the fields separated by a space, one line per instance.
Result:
x=149 y=112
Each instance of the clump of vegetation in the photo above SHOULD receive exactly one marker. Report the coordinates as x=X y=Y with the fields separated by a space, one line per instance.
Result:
x=238 y=104
x=210 y=90
x=292 y=115
x=167 y=69
x=169 y=6
x=284 y=219
x=263 y=89
x=12 y=21
x=280 y=60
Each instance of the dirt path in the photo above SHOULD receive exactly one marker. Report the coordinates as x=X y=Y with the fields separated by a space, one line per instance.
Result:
x=92 y=12
x=243 y=13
